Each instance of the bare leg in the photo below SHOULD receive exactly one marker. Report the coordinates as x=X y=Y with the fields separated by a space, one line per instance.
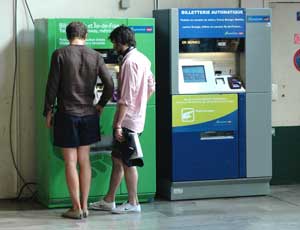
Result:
x=70 y=157
x=115 y=179
x=131 y=178
x=84 y=174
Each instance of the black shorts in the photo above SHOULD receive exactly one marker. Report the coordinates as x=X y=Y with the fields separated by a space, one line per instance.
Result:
x=74 y=131
x=123 y=150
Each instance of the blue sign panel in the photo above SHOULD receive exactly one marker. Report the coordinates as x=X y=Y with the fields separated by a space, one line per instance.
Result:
x=258 y=18
x=211 y=23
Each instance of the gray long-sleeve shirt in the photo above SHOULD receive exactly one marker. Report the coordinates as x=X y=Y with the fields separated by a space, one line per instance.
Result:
x=72 y=78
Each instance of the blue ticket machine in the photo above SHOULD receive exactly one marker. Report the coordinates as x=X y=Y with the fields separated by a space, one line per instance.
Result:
x=213 y=102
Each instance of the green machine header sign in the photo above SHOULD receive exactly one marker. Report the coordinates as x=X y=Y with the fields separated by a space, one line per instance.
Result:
x=197 y=109
x=98 y=31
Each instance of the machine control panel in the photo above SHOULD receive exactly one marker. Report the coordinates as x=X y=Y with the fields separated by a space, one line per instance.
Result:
x=199 y=77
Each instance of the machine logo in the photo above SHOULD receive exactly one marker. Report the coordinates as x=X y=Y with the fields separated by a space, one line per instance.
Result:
x=142 y=29
x=258 y=18
x=187 y=115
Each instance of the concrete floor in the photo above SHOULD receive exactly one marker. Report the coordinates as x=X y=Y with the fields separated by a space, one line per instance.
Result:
x=278 y=211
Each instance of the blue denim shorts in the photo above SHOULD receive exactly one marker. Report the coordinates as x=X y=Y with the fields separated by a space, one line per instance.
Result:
x=74 y=131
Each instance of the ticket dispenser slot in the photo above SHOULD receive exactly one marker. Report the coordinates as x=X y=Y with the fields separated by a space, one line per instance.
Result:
x=216 y=135
x=220 y=80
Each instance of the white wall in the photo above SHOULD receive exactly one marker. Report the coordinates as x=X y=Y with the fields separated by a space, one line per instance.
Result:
x=7 y=173
x=23 y=130
x=252 y=4
x=164 y=4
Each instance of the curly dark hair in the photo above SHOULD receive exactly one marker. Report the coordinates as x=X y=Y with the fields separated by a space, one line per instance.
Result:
x=123 y=35
x=76 y=30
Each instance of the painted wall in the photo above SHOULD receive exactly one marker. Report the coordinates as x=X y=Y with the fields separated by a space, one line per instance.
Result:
x=23 y=119
x=8 y=175
x=252 y=4
x=164 y=4
x=285 y=112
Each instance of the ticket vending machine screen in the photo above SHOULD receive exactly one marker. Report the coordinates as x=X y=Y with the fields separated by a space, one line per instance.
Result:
x=194 y=73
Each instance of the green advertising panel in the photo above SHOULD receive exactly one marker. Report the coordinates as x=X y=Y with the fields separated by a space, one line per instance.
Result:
x=98 y=31
x=197 y=109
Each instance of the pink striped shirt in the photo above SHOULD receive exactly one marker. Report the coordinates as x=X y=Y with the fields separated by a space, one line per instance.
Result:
x=135 y=83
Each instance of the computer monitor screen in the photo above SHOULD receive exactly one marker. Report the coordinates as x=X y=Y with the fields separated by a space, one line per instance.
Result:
x=194 y=73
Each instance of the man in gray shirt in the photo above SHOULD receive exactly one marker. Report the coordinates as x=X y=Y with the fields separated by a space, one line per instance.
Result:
x=72 y=77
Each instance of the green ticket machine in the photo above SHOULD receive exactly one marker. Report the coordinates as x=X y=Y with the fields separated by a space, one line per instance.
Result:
x=52 y=188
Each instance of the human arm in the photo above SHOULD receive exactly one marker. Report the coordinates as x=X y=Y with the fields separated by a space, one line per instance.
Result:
x=118 y=119
x=51 y=88
x=49 y=119
x=127 y=87
x=151 y=86
x=99 y=108
x=108 y=84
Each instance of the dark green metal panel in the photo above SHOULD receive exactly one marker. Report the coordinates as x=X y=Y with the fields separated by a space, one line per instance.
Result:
x=286 y=155
x=42 y=145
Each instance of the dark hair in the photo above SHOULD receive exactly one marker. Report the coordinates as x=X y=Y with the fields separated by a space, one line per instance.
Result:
x=123 y=35
x=76 y=30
